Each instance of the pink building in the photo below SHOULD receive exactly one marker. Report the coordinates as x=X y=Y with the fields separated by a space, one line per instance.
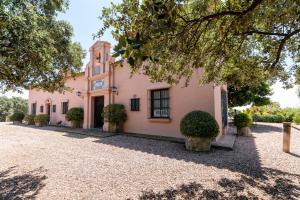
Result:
x=152 y=108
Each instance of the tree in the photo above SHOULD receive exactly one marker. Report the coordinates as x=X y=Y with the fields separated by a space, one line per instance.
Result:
x=239 y=42
x=10 y=105
x=255 y=95
x=35 y=48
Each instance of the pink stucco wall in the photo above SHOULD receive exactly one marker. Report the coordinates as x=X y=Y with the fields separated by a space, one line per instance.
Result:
x=182 y=100
x=40 y=97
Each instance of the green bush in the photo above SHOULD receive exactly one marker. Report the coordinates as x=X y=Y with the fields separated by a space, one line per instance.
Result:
x=75 y=115
x=242 y=120
x=268 y=118
x=114 y=113
x=296 y=118
x=29 y=119
x=199 y=124
x=41 y=119
x=17 y=116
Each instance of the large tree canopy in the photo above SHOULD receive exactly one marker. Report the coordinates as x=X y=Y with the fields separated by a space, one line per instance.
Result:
x=239 y=42
x=35 y=48
x=258 y=95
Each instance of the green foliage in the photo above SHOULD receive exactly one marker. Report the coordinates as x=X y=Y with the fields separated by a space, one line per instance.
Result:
x=257 y=95
x=114 y=113
x=35 y=48
x=238 y=42
x=242 y=120
x=273 y=113
x=10 y=105
x=75 y=115
x=41 y=119
x=17 y=116
x=296 y=118
x=268 y=118
x=29 y=119
x=272 y=109
x=199 y=124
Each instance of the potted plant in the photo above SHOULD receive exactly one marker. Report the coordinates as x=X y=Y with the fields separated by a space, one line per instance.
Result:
x=41 y=120
x=17 y=117
x=242 y=121
x=199 y=129
x=115 y=114
x=29 y=119
x=75 y=116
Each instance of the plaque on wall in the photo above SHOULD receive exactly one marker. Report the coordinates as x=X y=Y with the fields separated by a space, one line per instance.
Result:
x=97 y=85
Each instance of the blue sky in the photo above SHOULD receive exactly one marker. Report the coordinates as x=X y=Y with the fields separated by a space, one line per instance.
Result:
x=83 y=16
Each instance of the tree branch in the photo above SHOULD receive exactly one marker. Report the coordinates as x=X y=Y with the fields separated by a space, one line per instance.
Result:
x=254 y=4
x=281 y=46
x=263 y=33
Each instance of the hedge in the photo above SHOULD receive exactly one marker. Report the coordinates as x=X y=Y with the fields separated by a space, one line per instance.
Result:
x=268 y=118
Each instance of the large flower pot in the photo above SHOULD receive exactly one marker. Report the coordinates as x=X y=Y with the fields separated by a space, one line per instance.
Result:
x=245 y=131
x=198 y=143
x=75 y=124
x=38 y=124
x=113 y=128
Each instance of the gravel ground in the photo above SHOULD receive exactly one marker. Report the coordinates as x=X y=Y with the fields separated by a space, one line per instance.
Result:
x=45 y=164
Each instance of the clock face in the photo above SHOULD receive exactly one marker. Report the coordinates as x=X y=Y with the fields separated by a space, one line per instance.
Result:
x=97 y=85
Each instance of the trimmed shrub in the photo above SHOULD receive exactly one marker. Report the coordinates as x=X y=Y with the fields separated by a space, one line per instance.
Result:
x=29 y=119
x=268 y=118
x=242 y=120
x=296 y=118
x=17 y=116
x=114 y=113
x=199 y=124
x=41 y=119
x=75 y=115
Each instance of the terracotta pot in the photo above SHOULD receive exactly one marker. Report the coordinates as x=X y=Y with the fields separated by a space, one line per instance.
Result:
x=198 y=143
x=245 y=131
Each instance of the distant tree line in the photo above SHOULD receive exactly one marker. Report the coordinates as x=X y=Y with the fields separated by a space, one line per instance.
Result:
x=10 y=105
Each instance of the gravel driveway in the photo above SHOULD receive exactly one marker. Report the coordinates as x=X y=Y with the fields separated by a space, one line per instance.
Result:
x=45 y=164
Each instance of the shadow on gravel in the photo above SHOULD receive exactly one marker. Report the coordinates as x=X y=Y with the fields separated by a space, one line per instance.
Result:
x=244 y=158
x=278 y=185
x=267 y=128
x=25 y=186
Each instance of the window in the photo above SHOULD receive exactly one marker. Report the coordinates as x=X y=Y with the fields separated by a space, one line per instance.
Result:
x=65 y=107
x=54 y=108
x=96 y=70
x=41 y=109
x=160 y=103
x=33 y=108
x=135 y=104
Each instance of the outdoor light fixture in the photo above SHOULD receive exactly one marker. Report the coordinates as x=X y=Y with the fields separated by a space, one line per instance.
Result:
x=114 y=89
x=78 y=93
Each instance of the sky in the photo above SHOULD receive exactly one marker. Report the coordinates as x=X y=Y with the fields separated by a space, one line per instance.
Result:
x=84 y=17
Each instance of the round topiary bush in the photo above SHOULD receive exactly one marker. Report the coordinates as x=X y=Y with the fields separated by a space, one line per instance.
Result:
x=41 y=119
x=199 y=124
x=29 y=119
x=75 y=115
x=114 y=113
x=17 y=116
x=242 y=120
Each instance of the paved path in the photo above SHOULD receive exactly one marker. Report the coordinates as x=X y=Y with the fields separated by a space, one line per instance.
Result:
x=46 y=164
